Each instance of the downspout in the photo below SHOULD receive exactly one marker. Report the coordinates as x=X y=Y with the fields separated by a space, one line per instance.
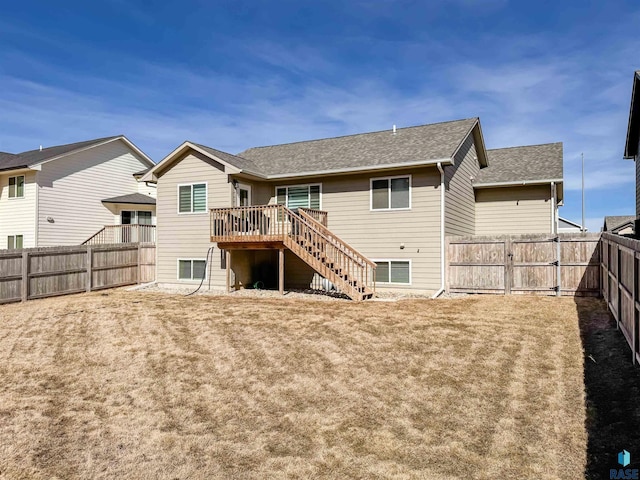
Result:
x=442 y=252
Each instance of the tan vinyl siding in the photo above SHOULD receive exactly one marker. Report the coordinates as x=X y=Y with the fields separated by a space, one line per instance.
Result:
x=513 y=210
x=18 y=215
x=187 y=235
x=71 y=190
x=379 y=234
x=459 y=195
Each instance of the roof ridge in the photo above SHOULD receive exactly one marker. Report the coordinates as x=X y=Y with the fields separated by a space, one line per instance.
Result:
x=524 y=146
x=357 y=134
x=69 y=144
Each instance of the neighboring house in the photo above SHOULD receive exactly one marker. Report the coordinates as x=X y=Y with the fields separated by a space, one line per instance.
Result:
x=632 y=144
x=387 y=197
x=63 y=195
x=520 y=190
x=567 y=226
x=621 y=225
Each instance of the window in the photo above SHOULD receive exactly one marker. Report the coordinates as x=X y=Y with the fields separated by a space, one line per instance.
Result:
x=391 y=193
x=14 y=242
x=192 y=269
x=192 y=198
x=132 y=217
x=16 y=187
x=299 y=196
x=393 y=271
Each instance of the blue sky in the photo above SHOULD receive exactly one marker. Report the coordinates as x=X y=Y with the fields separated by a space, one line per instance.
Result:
x=235 y=74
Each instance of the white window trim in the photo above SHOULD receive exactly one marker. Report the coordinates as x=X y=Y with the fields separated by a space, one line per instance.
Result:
x=191 y=260
x=14 y=241
x=389 y=209
x=137 y=217
x=299 y=185
x=24 y=185
x=206 y=197
x=405 y=260
x=244 y=186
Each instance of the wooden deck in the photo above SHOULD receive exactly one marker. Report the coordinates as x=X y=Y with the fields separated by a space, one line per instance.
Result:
x=305 y=233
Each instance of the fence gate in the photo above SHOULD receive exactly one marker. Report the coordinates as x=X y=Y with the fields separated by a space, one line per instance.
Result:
x=564 y=264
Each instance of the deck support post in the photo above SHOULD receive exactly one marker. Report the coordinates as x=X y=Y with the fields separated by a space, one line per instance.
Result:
x=281 y=270
x=227 y=258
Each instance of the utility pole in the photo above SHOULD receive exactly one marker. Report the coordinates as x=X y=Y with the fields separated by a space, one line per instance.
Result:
x=583 y=227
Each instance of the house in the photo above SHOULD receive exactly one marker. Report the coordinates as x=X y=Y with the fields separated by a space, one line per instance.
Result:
x=338 y=209
x=63 y=195
x=632 y=143
x=621 y=225
x=567 y=226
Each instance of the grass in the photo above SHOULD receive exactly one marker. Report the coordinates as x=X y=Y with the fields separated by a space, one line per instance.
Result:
x=141 y=385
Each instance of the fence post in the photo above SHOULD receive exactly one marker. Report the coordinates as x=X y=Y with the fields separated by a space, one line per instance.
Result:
x=634 y=326
x=139 y=262
x=508 y=266
x=447 y=243
x=558 y=267
x=619 y=288
x=89 y=262
x=25 y=276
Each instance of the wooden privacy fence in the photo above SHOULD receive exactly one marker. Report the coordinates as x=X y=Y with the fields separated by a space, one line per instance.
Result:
x=564 y=264
x=621 y=285
x=33 y=273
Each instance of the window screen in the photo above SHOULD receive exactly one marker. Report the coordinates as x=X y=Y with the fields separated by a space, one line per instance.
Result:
x=393 y=271
x=390 y=193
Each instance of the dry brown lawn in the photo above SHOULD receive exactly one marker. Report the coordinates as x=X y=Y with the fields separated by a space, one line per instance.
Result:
x=147 y=385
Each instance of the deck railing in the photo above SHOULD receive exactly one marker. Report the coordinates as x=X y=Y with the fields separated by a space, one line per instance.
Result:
x=123 y=234
x=309 y=239
x=319 y=216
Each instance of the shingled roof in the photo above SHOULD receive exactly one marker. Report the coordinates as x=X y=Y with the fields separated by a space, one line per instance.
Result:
x=533 y=163
x=612 y=222
x=133 y=198
x=10 y=161
x=437 y=141
x=235 y=160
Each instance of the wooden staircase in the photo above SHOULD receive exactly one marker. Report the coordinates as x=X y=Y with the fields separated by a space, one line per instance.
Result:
x=331 y=257
x=305 y=234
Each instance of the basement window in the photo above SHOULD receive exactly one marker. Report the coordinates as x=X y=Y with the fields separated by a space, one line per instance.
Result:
x=391 y=193
x=16 y=187
x=191 y=269
x=393 y=271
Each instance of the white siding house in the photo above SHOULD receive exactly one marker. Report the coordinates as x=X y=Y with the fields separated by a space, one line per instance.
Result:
x=62 y=198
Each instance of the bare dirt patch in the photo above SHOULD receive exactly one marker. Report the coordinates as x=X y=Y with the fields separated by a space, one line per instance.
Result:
x=149 y=385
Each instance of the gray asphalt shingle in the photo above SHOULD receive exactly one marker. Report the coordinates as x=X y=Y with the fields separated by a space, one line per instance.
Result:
x=136 y=198
x=521 y=164
x=235 y=160
x=411 y=144
x=614 y=221
x=25 y=159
